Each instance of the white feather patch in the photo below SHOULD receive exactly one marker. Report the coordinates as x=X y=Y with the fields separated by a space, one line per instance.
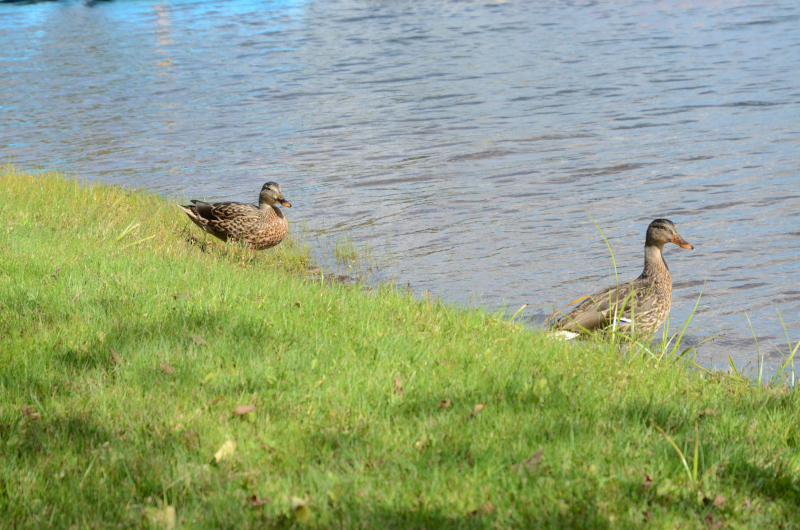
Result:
x=564 y=335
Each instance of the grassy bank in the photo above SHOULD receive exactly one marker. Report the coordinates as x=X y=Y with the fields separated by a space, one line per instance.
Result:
x=126 y=348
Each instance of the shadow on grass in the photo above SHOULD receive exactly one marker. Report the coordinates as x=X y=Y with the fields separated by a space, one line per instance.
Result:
x=358 y=516
x=427 y=519
x=774 y=482
x=81 y=358
x=34 y=436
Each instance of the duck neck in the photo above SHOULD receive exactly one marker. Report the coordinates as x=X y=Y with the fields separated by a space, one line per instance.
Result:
x=264 y=204
x=654 y=264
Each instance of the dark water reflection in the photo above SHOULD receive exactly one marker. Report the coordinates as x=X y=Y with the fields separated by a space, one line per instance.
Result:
x=474 y=137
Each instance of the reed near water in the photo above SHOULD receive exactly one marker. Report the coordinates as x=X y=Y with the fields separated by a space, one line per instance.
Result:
x=150 y=376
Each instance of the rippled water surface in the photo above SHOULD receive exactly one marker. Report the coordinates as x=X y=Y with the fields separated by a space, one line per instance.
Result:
x=470 y=141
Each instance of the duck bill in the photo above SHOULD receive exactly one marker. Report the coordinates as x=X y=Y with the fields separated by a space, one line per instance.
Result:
x=678 y=240
x=284 y=202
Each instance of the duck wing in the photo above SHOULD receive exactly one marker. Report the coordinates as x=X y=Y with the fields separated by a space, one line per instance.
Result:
x=205 y=210
x=598 y=310
x=220 y=211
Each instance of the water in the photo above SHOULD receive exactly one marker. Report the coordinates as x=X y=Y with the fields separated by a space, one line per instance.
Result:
x=471 y=141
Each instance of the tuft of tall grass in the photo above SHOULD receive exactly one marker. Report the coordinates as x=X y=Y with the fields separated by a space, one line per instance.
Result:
x=344 y=250
x=788 y=359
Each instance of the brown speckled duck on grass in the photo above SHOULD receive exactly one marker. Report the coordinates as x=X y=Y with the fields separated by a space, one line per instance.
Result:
x=261 y=226
x=640 y=306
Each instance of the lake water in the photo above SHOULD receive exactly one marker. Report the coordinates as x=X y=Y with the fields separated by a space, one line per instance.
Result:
x=468 y=141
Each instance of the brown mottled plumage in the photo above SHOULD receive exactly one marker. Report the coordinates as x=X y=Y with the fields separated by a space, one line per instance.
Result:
x=641 y=305
x=261 y=227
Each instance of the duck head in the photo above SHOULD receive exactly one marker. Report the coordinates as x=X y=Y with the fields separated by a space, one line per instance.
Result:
x=663 y=231
x=271 y=193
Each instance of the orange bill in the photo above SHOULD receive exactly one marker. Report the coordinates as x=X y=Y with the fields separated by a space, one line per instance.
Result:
x=678 y=240
x=284 y=202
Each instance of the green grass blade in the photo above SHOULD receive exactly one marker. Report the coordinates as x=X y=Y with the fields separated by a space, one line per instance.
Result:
x=758 y=351
x=677 y=449
x=696 y=445
x=686 y=324
x=131 y=226
x=129 y=245
x=610 y=251
x=733 y=367
x=518 y=312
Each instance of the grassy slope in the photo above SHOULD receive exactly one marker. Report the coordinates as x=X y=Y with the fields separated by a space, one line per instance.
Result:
x=88 y=441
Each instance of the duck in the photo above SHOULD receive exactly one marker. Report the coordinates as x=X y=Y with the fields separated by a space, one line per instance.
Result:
x=640 y=306
x=260 y=227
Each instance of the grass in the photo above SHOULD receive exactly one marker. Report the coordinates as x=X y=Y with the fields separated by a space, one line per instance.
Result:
x=132 y=350
x=345 y=250
x=338 y=251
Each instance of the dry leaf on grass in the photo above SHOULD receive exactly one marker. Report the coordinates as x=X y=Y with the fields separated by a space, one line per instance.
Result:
x=533 y=462
x=477 y=409
x=212 y=402
x=445 y=403
x=255 y=501
x=30 y=413
x=181 y=295
x=372 y=464
x=483 y=510
x=166 y=518
x=711 y=523
x=298 y=304
x=198 y=340
x=719 y=501
x=241 y=410
x=300 y=509
x=530 y=463
x=398 y=386
x=167 y=369
x=648 y=481
x=332 y=497
x=707 y=412
x=114 y=356
x=225 y=451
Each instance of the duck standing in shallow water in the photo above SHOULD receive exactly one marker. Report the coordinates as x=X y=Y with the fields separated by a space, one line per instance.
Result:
x=641 y=305
x=261 y=226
